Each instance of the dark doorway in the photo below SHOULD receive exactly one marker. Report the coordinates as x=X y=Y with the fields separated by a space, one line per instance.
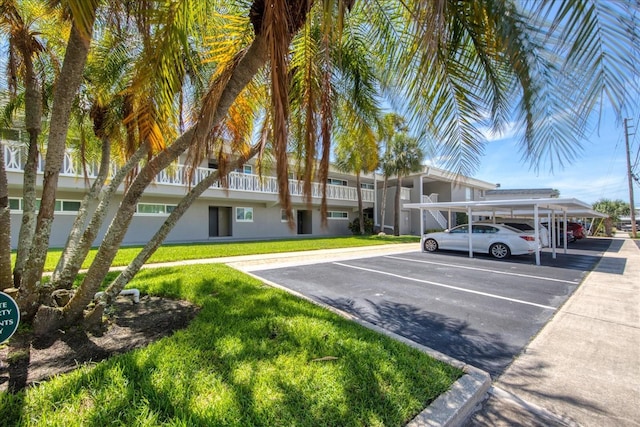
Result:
x=304 y=222
x=219 y=221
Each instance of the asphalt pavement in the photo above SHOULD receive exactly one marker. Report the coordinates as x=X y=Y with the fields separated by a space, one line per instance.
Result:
x=582 y=368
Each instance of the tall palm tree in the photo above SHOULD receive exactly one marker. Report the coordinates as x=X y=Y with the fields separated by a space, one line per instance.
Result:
x=25 y=25
x=391 y=124
x=452 y=68
x=357 y=152
x=406 y=158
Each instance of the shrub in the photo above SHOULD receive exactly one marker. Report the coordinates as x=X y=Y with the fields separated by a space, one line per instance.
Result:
x=355 y=226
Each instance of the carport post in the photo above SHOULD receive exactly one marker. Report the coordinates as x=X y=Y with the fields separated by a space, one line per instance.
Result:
x=566 y=231
x=422 y=229
x=536 y=228
x=552 y=238
x=470 y=232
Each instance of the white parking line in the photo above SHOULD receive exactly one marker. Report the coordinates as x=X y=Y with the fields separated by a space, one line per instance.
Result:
x=506 y=273
x=442 y=285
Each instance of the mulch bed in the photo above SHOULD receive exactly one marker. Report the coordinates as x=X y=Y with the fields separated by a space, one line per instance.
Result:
x=27 y=360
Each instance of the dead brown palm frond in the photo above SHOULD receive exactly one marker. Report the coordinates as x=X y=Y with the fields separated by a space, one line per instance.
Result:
x=276 y=30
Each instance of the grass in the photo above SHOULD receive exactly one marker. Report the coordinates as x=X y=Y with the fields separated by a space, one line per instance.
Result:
x=178 y=252
x=254 y=355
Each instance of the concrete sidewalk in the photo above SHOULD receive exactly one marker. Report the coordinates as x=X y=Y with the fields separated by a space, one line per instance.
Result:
x=583 y=368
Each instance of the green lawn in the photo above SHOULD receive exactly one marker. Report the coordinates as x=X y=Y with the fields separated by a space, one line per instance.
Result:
x=172 y=252
x=248 y=359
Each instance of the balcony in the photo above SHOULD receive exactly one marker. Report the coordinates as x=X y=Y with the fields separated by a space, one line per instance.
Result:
x=14 y=157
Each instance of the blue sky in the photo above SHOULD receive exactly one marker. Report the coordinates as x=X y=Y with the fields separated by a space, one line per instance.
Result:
x=598 y=171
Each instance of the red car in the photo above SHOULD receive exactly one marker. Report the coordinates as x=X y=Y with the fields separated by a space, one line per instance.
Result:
x=575 y=231
x=578 y=230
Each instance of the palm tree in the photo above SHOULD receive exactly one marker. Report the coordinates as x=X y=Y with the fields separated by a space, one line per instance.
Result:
x=391 y=124
x=26 y=25
x=357 y=152
x=614 y=209
x=450 y=67
x=406 y=155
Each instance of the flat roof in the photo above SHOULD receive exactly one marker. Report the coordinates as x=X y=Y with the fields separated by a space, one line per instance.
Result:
x=515 y=207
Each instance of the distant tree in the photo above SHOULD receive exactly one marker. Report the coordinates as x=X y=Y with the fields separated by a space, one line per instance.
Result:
x=614 y=209
x=406 y=158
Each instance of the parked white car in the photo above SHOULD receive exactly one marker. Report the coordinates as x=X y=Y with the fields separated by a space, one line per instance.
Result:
x=499 y=241
x=527 y=227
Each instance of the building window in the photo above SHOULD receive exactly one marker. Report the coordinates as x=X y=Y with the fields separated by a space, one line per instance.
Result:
x=15 y=204
x=67 y=206
x=61 y=205
x=337 y=215
x=283 y=215
x=154 y=209
x=366 y=186
x=334 y=181
x=244 y=214
x=248 y=169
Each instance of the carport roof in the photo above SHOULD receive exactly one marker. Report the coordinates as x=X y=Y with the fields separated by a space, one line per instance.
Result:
x=515 y=207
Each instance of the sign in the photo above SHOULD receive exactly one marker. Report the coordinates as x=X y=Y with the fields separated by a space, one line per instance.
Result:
x=9 y=317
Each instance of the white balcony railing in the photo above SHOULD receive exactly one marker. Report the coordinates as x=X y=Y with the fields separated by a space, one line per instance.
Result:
x=15 y=156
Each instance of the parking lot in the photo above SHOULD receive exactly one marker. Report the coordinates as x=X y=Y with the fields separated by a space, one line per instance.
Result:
x=481 y=311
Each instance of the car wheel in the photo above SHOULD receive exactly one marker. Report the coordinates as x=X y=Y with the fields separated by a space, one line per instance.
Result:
x=430 y=245
x=499 y=250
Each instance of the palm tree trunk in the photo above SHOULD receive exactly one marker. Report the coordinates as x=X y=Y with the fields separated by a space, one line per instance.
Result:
x=132 y=269
x=360 y=211
x=79 y=253
x=65 y=92
x=5 y=227
x=383 y=204
x=28 y=225
x=33 y=125
x=78 y=227
x=222 y=94
x=396 y=210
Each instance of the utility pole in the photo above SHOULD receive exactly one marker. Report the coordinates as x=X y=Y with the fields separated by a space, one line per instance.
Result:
x=634 y=229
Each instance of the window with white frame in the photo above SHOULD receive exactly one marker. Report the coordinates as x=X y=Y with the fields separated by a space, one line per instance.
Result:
x=337 y=215
x=60 y=205
x=248 y=169
x=335 y=181
x=366 y=185
x=283 y=215
x=67 y=206
x=244 y=214
x=154 y=209
x=15 y=204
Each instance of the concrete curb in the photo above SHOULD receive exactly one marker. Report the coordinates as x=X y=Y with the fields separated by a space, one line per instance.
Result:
x=450 y=409
x=455 y=406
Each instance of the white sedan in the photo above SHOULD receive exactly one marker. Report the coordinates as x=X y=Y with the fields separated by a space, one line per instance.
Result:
x=499 y=241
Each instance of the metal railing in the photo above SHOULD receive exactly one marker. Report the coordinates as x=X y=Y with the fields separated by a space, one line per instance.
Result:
x=15 y=157
x=436 y=214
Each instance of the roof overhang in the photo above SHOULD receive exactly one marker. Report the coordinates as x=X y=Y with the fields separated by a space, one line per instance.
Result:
x=515 y=208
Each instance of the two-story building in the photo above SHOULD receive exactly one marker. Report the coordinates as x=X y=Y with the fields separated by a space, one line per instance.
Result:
x=247 y=208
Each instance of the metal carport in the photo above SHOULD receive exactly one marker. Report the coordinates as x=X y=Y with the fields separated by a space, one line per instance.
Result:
x=552 y=208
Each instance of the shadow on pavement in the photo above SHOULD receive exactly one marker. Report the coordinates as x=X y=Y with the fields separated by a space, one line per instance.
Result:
x=447 y=335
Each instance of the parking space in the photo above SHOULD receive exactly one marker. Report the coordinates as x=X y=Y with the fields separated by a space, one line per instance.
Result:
x=479 y=310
